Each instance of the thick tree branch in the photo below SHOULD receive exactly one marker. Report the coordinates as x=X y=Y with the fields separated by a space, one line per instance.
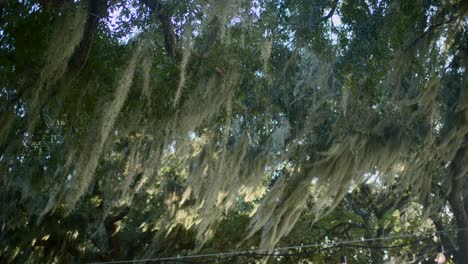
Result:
x=332 y=10
x=112 y=229
x=117 y=217
x=167 y=27
x=457 y=201
x=443 y=237
x=97 y=9
x=355 y=208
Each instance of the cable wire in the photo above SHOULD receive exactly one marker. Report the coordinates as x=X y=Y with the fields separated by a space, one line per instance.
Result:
x=265 y=253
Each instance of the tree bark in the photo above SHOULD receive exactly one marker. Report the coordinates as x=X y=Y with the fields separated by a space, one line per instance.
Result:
x=170 y=39
x=110 y=223
x=446 y=243
x=97 y=9
x=457 y=201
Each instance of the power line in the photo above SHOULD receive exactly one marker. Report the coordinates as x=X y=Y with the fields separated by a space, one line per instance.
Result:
x=390 y=247
x=264 y=253
x=255 y=255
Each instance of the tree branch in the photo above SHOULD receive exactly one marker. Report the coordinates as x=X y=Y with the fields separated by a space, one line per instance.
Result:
x=97 y=9
x=170 y=39
x=117 y=217
x=112 y=229
x=456 y=199
x=356 y=209
x=443 y=237
x=332 y=10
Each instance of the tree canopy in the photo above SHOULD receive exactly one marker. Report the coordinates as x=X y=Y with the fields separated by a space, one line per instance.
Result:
x=143 y=129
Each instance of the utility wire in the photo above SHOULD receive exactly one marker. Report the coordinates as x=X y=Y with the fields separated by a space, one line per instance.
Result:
x=302 y=253
x=264 y=253
x=253 y=255
x=390 y=247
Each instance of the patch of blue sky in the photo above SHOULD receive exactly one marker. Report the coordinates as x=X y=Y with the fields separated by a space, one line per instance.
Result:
x=117 y=17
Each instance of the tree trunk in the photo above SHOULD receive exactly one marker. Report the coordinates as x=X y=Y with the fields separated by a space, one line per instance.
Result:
x=457 y=202
x=170 y=39
x=97 y=9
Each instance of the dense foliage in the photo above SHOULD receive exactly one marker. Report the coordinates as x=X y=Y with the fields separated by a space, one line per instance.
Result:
x=143 y=129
